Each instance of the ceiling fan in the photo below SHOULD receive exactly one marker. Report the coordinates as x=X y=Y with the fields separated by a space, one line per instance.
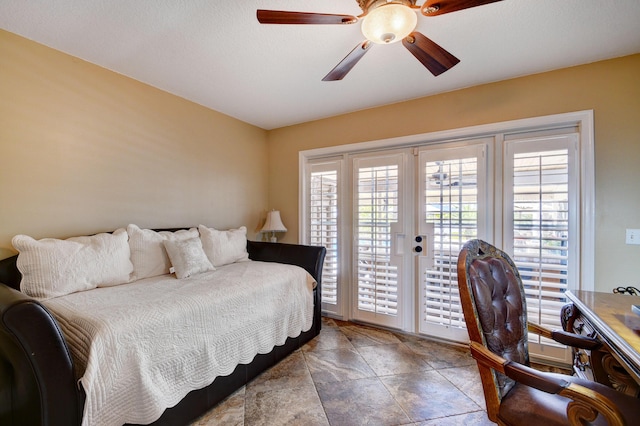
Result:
x=383 y=22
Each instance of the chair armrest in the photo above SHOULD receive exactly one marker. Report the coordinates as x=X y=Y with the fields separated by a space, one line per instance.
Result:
x=564 y=337
x=585 y=405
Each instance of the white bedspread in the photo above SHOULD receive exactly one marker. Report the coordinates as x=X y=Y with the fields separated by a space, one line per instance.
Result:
x=141 y=347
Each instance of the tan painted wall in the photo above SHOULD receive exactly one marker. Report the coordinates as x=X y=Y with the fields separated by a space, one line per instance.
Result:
x=83 y=150
x=611 y=88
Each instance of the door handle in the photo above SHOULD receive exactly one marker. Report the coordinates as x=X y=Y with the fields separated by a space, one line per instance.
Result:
x=399 y=249
x=423 y=247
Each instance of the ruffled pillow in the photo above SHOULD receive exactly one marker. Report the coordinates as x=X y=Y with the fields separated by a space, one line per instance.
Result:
x=51 y=267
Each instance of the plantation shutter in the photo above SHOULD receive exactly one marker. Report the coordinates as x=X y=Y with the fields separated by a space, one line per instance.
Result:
x=450 y=203
x=377 y=192
x=541 y=187
x=323 y=227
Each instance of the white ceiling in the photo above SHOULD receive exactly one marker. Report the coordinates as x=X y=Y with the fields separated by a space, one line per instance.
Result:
x=216 y=53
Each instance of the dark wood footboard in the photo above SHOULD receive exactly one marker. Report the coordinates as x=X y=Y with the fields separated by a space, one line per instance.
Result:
x=310 y=258
x=37 y=383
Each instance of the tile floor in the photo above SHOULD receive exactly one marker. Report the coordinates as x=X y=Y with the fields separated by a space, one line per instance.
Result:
x=356 y=375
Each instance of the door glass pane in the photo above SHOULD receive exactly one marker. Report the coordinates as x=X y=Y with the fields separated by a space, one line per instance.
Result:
x=377 y=211
x=541 y=231
x=323 y=228
x=451 y=210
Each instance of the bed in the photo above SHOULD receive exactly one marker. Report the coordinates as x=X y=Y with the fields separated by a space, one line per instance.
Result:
x=48 y=375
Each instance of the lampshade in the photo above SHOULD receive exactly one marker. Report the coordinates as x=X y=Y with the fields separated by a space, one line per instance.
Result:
x=389 y=23
x=273 y=223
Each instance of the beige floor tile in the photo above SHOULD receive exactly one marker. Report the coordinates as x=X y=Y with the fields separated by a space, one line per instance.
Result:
x=337 y=365
x=330 y=338
x=291 y=372
x=479 y=418
x=287 y=406
x=428 y=395
x=360 y=336
x=467 y=379
x=229 y=412
x=352 y=375
x=441 y=355
x=397 y=358
x=360 y=402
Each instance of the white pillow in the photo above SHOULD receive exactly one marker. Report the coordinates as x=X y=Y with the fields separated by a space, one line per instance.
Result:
x=52 y=267
x=148 y=254
x=224 y=247
x=187 y=257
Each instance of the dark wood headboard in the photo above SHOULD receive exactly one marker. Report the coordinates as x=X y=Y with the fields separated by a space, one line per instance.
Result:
x=9 y=273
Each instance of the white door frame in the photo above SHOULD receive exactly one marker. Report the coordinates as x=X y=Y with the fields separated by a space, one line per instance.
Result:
x=582 y=120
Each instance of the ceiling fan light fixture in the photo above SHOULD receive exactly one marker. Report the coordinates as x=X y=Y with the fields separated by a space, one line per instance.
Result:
x=389 y=23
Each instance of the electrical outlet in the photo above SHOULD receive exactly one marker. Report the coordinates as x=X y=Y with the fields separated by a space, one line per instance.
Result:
x=633 y=236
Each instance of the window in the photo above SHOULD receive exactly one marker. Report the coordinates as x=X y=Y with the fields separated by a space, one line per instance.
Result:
x=377 y=198
x=526 y=186
x=453 y=207
x=323 y=226
x=541 y=223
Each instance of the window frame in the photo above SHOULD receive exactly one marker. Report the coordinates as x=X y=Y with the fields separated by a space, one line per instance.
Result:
x=583 y=121
x=329 y=164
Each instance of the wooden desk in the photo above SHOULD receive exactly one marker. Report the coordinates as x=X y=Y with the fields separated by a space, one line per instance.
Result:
x=608 y=317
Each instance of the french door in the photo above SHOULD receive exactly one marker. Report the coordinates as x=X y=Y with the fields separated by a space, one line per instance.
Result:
x=452 y=209
x=413 y=209
x=380 y=234
x=394 y=221
x=541 y=227
x=324 y=224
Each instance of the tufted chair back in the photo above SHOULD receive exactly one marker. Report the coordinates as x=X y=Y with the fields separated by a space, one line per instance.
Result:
x=495 y=310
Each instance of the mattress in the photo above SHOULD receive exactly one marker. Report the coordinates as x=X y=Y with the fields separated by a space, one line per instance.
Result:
x=140 y=347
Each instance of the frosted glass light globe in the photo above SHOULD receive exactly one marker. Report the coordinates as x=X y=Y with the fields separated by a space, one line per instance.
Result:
x=389 y=23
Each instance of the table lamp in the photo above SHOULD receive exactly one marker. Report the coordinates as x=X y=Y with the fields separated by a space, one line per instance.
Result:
x=273 y=224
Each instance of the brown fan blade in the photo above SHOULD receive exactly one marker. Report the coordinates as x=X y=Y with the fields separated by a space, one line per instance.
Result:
x=348 y=62
x=440 y=7
x=285 y=17
x=435 y=58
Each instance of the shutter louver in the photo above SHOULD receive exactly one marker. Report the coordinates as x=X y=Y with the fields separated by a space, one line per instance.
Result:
x=541 y=231
x=451 y=203
x=323 y=228
x=377 y=201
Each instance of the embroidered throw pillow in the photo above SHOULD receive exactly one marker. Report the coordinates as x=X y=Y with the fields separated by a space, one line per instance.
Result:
x=224 y=247
x=51 y=267
x=187 y=257
x=148 y=254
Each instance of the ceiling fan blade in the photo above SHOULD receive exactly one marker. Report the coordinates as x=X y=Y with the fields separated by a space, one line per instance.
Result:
x=435 y=58
x=348 y=62
x=440 y=7
x=285 y=17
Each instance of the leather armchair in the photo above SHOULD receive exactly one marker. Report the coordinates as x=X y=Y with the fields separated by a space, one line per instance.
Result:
x=494 y=306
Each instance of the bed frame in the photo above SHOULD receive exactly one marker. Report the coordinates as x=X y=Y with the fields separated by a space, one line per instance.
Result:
x=37 y=382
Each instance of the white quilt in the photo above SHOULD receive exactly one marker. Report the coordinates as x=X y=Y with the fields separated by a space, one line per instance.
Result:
x=139 y=348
